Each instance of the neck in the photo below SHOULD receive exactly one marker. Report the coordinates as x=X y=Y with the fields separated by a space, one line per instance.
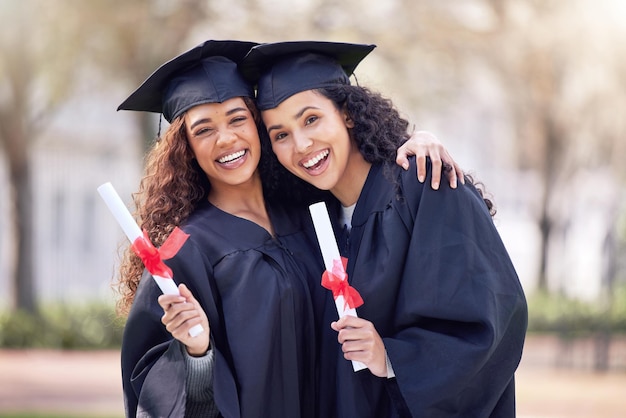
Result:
x=243 y=200
x=349 y=187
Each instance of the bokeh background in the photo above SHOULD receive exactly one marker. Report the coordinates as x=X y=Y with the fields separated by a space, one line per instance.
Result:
x=529 y=96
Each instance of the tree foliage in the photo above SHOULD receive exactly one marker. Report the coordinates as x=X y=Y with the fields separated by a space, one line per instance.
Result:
x=557 y=65
x=38 y=56
x=44 y=47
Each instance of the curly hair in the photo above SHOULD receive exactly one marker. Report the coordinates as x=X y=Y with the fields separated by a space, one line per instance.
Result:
x=172 y=187
x=379 y=130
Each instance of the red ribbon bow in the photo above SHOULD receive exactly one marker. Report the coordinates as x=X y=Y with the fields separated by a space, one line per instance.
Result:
x=337 y=281
x=153 y=258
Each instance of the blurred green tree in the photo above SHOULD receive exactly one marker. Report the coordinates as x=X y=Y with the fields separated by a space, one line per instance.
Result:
x=37 y=55
x=41 y=43
x=129 y=40
x=557 y=64
x=562 y=81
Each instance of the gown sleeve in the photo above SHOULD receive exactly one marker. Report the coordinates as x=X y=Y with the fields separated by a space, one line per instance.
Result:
x=155 y=368
x=460 y=314
x=151 y=379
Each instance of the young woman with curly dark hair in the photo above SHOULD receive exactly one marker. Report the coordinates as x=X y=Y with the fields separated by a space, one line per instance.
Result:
x=245 y=271
x=443 y=319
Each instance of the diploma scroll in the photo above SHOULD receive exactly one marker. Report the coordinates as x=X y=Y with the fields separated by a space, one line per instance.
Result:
x=346 y=297
x=134 y=234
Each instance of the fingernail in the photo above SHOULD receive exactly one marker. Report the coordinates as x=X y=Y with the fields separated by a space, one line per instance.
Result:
x=421 y=179
x=405 y=166
x=436 y=186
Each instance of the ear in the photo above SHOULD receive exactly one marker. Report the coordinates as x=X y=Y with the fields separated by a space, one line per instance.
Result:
x=347 y=119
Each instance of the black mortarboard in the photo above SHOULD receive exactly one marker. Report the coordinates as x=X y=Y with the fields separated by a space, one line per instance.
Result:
x=283 y=69
x=207 y=73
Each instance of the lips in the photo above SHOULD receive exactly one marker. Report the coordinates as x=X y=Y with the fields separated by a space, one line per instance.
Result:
x=316 y=160
x=231 y=157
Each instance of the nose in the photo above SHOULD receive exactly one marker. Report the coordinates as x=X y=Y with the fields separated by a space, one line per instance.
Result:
x=226 y=136
x=302 y=142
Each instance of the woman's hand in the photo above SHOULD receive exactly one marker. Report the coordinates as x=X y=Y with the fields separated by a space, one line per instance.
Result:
x=424 y=144
x=181 y=313
x=360 y=341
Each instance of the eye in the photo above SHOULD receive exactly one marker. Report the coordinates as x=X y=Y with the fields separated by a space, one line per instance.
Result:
x=279 y=136
x=310 y=120
x=238 y=120
x=203 y=131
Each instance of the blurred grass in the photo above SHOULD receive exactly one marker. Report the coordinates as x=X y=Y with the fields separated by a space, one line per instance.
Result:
x=84 y=327
x=96 y=326
x=567 y=317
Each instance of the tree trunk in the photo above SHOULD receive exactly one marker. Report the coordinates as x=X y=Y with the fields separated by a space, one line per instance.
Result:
x=551 y=162
x=16 y=144
x=545 y=222
x=24 y=285
x=545 y=227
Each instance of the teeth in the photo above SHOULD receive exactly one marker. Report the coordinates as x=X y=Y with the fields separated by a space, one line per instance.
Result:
x=231 y=157
x=319 y=157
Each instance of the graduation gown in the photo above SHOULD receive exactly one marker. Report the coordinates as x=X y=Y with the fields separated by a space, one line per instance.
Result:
x=440 y=289
x=258 y=293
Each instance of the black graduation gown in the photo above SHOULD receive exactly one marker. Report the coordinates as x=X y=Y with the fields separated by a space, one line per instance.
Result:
x=259 y=299
x=439 y=287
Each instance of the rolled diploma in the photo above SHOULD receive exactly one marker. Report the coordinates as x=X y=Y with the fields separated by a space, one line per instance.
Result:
x=330 y=251
x=131 y=229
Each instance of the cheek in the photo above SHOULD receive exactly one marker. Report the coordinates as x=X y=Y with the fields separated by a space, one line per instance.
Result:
x=201 y=151
x=194 y=150
x=282 y=153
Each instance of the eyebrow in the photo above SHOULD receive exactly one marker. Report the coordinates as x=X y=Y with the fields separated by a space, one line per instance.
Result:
x=296 y=117
x=207 y=120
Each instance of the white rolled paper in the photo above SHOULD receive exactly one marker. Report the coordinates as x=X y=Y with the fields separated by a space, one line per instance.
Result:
x=131 y=229
x=330 y=251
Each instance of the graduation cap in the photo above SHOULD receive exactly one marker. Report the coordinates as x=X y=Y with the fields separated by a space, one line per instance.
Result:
x=207 y=73
x=283 y=69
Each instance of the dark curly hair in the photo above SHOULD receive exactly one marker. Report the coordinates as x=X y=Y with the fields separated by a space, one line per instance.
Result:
x=378 y=130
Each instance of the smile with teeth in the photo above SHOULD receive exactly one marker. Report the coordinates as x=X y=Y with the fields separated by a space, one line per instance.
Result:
x=315 y=160
x=231 y=157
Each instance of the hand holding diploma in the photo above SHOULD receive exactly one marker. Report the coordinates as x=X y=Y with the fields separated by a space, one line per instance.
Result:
x=360 y=341
x=141 y=244
x=347 y=299
x=180 y=315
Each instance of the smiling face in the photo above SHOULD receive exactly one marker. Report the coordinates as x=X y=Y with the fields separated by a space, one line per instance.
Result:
x=225 y=141
x=310 y=137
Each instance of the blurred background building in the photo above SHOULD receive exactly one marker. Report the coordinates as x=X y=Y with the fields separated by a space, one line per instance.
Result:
x=529 y=96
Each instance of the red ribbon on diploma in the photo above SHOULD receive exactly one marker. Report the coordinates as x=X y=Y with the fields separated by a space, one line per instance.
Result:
x=153 y=258
x=337 y=282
